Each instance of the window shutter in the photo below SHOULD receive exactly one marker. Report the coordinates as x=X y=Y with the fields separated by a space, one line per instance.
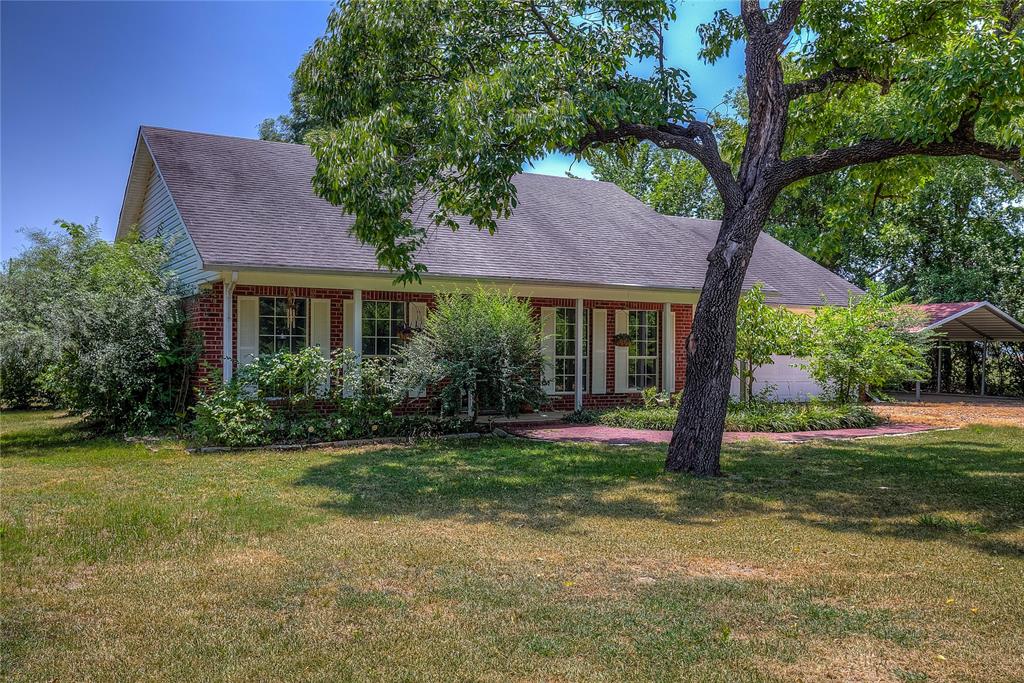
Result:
x=599 y=351
x=248 y=332
x=320 y=326
x=347 y=319
x=621 y=354
x=320 y=331
x=669 y=353
x=547 y=345
x=417 y=315
x=348 y=329
x=417 y=319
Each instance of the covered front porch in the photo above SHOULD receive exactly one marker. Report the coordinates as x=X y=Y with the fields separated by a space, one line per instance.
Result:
x=248 y=314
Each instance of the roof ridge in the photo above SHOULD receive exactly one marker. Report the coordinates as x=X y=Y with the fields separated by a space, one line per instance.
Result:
x=144 y=127
x=218 y=135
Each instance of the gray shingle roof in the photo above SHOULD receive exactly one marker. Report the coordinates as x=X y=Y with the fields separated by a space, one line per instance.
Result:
x=249 y=204
x=795 y=279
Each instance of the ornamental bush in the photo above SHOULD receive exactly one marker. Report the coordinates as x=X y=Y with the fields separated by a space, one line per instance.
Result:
x=761 y=332
x=481 y=343
x=867 y=344
x=24 y=356
x=105 y=326
x=304 y=398
x=754 y=416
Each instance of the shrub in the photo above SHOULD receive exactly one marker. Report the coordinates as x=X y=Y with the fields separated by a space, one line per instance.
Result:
x=482 y=343
x=230 y=416
x=110 y=317
x=761 y=332
x=758 y=416
x=24 y=357
x=275 y=399
x=867 y=343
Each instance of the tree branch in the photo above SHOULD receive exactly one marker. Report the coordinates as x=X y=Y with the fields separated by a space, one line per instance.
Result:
x=789 y=13
x=840 y=74
x=696 y=138
x=874 y=150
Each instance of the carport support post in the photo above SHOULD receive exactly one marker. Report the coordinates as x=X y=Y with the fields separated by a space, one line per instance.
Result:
x=938 y=369
x=917 y=390
x=984 y=360
x=579 y=354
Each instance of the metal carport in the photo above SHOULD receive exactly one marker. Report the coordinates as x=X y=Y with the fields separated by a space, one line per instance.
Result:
x=968 y=321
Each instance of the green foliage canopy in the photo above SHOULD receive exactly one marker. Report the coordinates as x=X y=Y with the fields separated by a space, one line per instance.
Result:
x=439 y=103
x=869 y=343
x=110 y=320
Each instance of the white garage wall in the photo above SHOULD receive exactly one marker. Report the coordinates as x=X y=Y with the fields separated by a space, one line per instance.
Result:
x=791 y=383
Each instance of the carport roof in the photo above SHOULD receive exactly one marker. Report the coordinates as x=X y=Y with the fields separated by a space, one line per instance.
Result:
x=971 y=321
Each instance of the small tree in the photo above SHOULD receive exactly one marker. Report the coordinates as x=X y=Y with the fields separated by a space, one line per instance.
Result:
x=867 y=343
x=761 y=332
x=480 y=343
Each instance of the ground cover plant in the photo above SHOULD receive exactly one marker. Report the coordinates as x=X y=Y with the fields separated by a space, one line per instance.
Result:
x=756 y=416
x=886 y=559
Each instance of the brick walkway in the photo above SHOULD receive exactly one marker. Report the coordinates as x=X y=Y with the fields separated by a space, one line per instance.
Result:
x=630 y=437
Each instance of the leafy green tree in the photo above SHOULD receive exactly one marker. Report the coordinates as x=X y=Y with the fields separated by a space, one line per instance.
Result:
x=451 y=98
x=290 y=127
x=669 y=181
x=762 y=331
x=869 y=343
x=478 y=343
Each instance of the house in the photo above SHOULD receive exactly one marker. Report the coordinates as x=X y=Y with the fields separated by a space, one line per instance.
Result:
x=268 y=266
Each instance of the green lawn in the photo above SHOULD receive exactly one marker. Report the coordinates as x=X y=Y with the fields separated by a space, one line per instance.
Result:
x=892 y=559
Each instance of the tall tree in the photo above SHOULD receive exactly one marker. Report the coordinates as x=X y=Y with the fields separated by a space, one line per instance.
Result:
x=670 y=181
x=451 y=97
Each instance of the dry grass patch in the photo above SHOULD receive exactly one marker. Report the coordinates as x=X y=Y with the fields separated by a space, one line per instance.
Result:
x=498 y=560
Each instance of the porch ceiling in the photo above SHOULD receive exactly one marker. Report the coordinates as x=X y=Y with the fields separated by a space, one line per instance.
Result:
x=973 y=321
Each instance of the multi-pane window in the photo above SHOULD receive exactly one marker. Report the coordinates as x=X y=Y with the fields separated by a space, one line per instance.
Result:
x=643 y=349
x=281 y=329
x=565 y=350
x=382 y=321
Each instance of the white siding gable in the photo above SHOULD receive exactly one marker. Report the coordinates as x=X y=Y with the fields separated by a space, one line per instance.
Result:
x=159 y=219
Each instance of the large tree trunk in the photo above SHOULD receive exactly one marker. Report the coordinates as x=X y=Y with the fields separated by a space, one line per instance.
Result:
x=711 y=347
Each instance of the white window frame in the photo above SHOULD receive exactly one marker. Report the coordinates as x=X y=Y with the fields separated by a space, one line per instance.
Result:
x=277 y=336
x=637 y=320
x=563 y=342
x=369 y=328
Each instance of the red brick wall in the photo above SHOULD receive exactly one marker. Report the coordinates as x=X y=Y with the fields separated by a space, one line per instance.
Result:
x=206 y=314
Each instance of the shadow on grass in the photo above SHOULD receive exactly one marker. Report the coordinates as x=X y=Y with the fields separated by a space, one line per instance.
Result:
x=912 y=487
x=41 y=436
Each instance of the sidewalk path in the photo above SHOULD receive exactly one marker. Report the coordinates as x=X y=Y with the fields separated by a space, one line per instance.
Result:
x=621 y=436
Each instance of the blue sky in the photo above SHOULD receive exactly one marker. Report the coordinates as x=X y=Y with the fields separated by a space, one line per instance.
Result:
x=77 y=79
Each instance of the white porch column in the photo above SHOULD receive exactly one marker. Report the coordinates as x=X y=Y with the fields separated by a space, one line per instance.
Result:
x=668 y=354
x=984 y=362
x=357 y=324
x=579 y=354
x=228 y=325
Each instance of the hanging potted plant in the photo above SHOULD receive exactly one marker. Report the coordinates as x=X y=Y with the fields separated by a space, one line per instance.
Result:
x=622 y=339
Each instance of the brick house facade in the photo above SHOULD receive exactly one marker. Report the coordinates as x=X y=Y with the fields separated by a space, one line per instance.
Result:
x=206 y=316
x=240 y=216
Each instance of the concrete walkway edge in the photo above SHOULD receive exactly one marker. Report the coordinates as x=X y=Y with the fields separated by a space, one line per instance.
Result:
x=620 y=436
